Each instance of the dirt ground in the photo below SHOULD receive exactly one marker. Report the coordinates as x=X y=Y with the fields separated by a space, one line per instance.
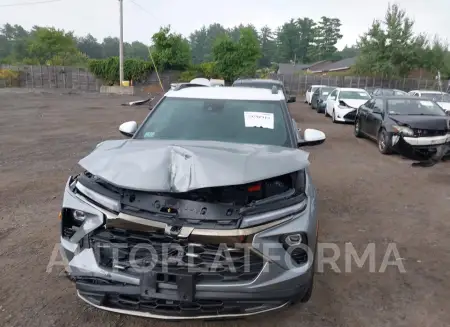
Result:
x=364 y=198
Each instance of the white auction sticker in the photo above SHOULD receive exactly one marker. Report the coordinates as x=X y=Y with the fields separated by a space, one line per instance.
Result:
x=362 y=94
x=325 y=93
x=258 y=119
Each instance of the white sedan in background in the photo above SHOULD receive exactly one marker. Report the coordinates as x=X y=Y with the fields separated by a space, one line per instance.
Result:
x=310 y=91
x=441 y=98
x=342 y=104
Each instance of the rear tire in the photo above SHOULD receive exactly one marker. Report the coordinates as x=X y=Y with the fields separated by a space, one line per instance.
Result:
x=326 y=113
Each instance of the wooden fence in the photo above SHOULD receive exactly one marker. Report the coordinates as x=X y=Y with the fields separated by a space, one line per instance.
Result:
x=300 y=83
x=52 y=77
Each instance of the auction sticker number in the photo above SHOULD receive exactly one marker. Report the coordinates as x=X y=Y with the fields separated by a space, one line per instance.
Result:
x=259 y=119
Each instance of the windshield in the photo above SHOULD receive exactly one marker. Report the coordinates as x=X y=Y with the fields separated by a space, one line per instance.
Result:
x=399 y=92
x=237 y=121
x=393 y=92
x=438 y=97
x=432 y=96
x=326 y=91
x=414 y=107
x=357 y=95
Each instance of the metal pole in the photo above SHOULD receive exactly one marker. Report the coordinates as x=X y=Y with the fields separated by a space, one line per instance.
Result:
x=121 y=43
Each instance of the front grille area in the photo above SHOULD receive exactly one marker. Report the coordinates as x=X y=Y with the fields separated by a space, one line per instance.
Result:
x=131 y=251
x=351 y=115
x=428 y=132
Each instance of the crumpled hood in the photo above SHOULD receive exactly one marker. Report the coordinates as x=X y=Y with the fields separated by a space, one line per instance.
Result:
x=438 y=123
x=354 y=103
x=444 y=105
x=181 y=166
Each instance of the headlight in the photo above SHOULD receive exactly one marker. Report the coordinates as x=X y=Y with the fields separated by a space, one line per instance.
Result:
x=403 y=130
x=100 y=199
x=290 y=208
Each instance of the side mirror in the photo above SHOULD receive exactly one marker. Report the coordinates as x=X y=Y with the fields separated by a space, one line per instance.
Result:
x=447 y=112
x=320 y=100
x=129 y=128
x=292 y=99
x=312 y=137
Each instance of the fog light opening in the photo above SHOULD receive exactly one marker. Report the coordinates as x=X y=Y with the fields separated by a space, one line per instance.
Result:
x=293 y=239
x=78 y=215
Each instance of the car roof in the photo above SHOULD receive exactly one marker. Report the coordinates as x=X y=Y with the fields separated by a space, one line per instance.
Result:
x=428 y=91
x=350 y=89
x=388 y=88
x=260 y=80
x=396 y=97
x=226 y=93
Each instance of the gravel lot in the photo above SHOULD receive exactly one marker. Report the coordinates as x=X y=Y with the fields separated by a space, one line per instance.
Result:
x=364 y=198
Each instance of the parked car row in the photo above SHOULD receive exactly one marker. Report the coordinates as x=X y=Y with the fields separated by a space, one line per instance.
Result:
x=416 y=124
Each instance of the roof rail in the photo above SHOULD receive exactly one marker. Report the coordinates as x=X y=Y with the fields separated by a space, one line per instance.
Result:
x=186 y=85
x=274 y=90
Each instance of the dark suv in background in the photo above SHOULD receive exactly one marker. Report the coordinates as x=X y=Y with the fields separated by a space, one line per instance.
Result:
x=265 y=84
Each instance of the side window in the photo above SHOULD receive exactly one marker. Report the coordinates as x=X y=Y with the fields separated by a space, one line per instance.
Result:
x=379 y=104
x=333 y=94
x=316 y=92
x=309 y=89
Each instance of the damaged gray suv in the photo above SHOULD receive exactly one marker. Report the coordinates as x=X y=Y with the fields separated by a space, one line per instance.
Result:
x=206 y=211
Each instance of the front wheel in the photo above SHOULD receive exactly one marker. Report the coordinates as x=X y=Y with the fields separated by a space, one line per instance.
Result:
x=333 y=117
x=384 y=142
x=357 y=129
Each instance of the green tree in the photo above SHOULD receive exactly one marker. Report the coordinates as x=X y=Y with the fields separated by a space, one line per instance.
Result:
x=136 y=50
x=50 y=43
x=110 y=46
x=390 y=47
x=13 y=42
x=288 y=41
x=199 y=45
x=89 y=46
x=234 y=59
x=268 y=47
x=306 y=30
x=171 y=51
x=327 y=34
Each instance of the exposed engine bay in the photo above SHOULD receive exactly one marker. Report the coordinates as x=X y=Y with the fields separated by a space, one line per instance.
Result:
x=213 y=207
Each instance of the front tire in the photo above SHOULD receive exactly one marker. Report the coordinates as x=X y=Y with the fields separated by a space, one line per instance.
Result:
x=309 y=292
x=333 y=117
x=357 y=128
x=383 y=141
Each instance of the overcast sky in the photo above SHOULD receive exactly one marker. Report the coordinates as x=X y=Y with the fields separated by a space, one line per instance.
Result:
x=142 y=18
